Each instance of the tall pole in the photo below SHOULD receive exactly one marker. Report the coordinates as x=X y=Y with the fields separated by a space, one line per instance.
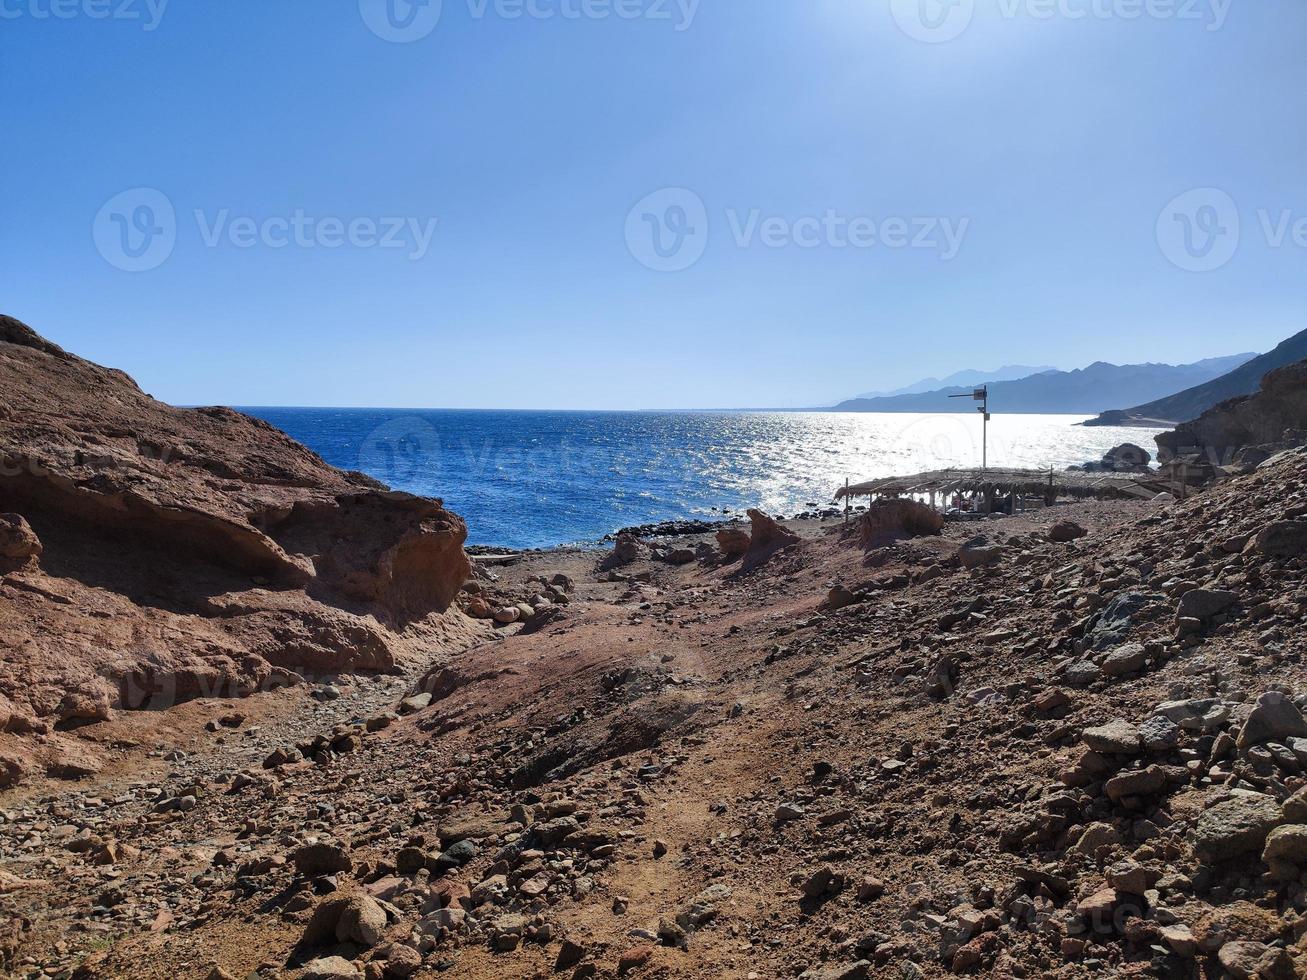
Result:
x=981 y=395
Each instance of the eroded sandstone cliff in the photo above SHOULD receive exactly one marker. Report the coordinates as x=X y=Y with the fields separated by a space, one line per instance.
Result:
x=152 y=554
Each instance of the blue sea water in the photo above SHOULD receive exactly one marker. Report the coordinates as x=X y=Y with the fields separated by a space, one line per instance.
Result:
x=538 y=479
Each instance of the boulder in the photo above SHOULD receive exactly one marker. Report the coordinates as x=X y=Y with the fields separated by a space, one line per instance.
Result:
x=1117 y=737
x=1064 y=531
x=1274 y=718
x=362 y=921
x=1127 y=659
x=1204 y=603
x=1236 y=826
x=1127 y=457
x=330 y=968
x=733 y=541
x=1284 y=539
x=323 y=858
x=18 y=542
x=767 y=537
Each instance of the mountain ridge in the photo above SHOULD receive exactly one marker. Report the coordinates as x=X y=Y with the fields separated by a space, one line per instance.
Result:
x=1080 y=391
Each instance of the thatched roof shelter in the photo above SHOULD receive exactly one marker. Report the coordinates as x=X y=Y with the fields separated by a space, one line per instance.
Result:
x=1001 y=482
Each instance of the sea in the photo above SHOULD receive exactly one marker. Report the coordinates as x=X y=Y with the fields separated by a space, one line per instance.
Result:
x=549 y=478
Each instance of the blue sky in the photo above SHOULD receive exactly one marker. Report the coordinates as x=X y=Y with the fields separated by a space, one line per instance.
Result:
x=857 y=197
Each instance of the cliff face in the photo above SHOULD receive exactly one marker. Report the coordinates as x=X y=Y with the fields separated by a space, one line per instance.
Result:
x=1261 y=419
x=176 y=553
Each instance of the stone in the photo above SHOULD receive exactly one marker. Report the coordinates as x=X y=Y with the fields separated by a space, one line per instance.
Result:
x=18 y=542
x=401 y=961
x=414 y=703
x=1287 y=843
x=1274 y=717
x=1159 y=734
x=1131 y=877
x=870 y=888
x=979 y=553
x=1256 y=961
x=1204 y=603
x=1064 y=531
x=1127 y=659
x=569 y=955
x=1195 y=715
x=507 y=615
x=733 y=541
x=362 y=921
x=1082 y=673
x=1117 y=737
x=324 y=858
x=1137 y=782
x=1236 y=826
x=821 y=882
x=1283 y=539
x=330 y=968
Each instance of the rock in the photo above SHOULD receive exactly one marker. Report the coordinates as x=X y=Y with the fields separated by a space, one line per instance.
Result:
x=1117 y=737
x=627 y=548
x=1288 y=844
x=18 y=542
x=978 y=553
x=569 y=955
x=1131 y=877
x=1159 y=734
x=362 y=921
x=821 y=882
x=1295 y=807
x=633 y=958
x=1128 y=458
x=414 y=703
x=870 y=888
x=1139 y=782
x=766 y=538
x=840 y=598
x=680 y=556
x=1275 y=717
x=1064 y=531
x=1236 y=826
x=1284 y=539
x=314 y=860
x=1082 y=673
x=1256 y=961
x=507 y=615
x=271 y=563
x=733 y=541
x=401 y=961
x=1126 y=659
x=1204 y=603
x=330 y=968
x=1198 y=715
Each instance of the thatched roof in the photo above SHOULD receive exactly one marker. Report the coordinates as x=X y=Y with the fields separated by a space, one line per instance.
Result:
x=1005 y=481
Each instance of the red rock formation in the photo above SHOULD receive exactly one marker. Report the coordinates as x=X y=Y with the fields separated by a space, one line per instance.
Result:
x=155 y=554
x=1278 y=410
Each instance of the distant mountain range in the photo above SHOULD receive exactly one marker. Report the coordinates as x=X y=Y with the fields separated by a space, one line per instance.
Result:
x=1081 y=392
x=965 y=379
x=1192 y=402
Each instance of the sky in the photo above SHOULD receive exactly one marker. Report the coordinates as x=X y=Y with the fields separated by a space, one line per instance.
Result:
x=646 y=203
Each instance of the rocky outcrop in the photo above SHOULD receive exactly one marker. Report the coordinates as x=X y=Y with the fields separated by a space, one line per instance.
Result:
x=766 y=537
x=152 y=554
x=1275 y=417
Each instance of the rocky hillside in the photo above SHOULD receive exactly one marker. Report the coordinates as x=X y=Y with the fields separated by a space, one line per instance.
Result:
x=1065 y=744
x=1271 y=419
x=151 y=554
x=1193 y=402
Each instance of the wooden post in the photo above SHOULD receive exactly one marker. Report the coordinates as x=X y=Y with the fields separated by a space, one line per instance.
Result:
x=846 y=500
